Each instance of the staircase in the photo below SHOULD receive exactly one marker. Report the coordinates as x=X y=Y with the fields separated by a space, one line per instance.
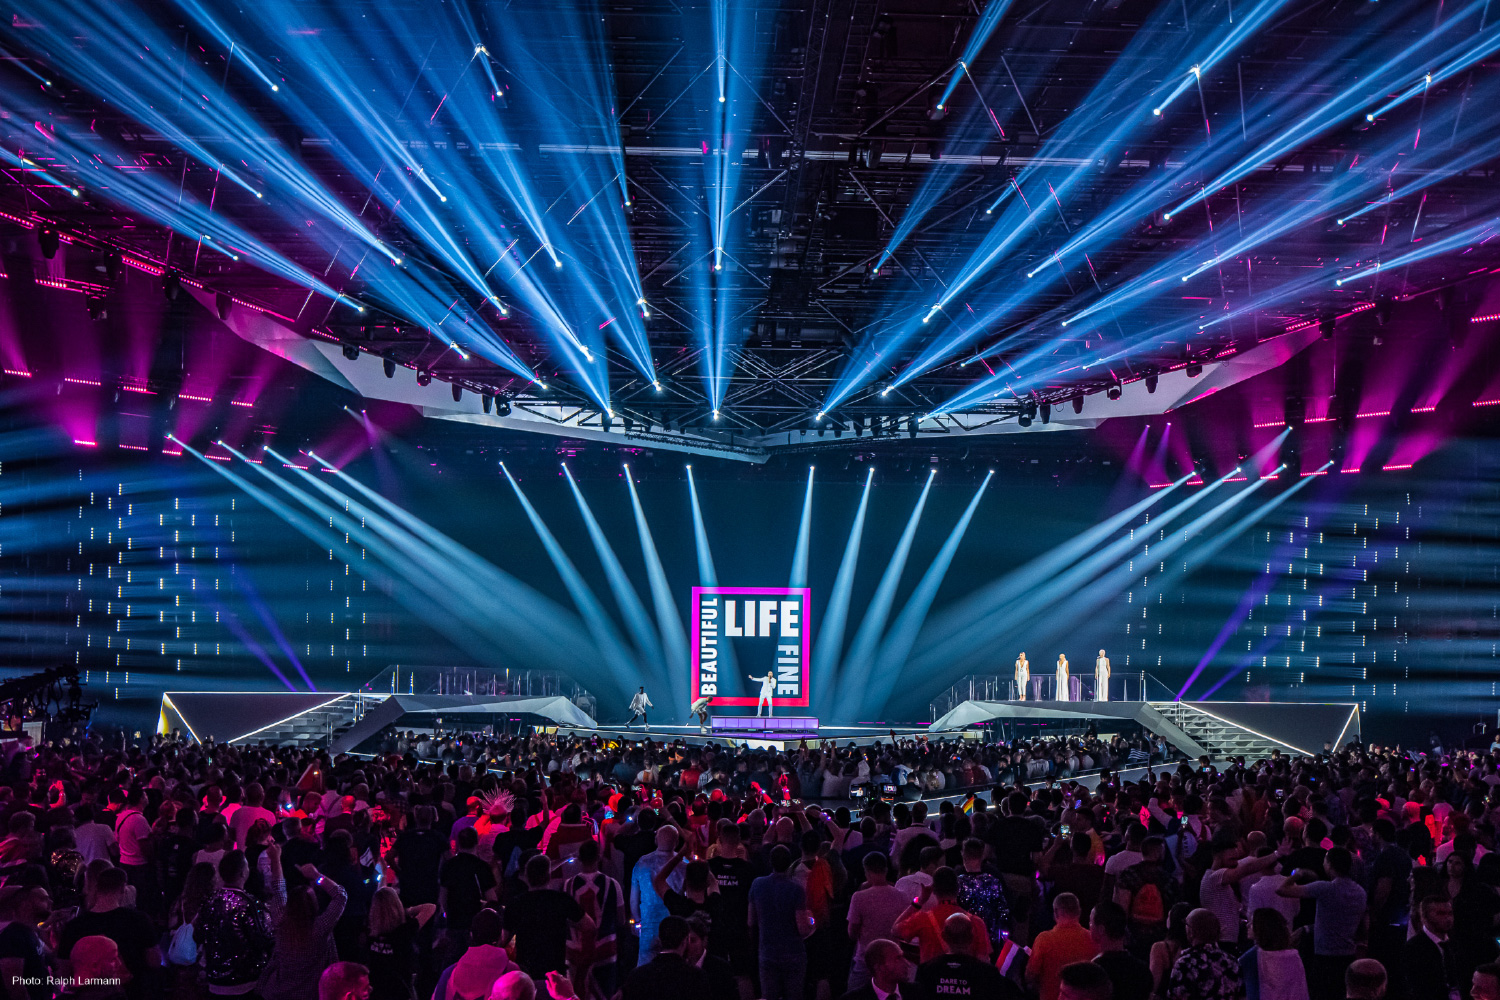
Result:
x=1221 y=739
x=318 y=726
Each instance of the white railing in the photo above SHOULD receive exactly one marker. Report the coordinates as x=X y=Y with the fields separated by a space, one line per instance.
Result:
x=1043 y=687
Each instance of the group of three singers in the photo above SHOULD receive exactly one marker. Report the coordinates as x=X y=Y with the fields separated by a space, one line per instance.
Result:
x=1068 y=688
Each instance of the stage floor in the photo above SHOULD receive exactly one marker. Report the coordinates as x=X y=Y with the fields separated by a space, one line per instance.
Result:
x=693 y=736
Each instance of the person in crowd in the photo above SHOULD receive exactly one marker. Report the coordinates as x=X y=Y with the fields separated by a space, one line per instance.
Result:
x=1365 y=979
x=981 y=892
x=1204 y=970
x=1220 y=888
x=515 y=985
x=873 y=912
x=418 y=858
x=1430 y=959
x=714 y=833
x=781 y=922
x=391 y=943
x=1390 y=868
x=237 y=933
x=304 y=934
x=541 y=919
x=668 y=974
x=956 y=972
x=133 y=835
x=928 y=913
x=24 y=961
x=1129 y=976
x=130 y=930
x=485 y=961
x=1084 y=981
x=1147 y=892
x=252 y=810
x=95 y=840
x=1271 y=967
x=646 y=905
x=1341 y=904
x=1067 y=942
x=593 y=947
x=889 y=971
x=98 y=972
x=344 y=981
x=698 y=895
x=1163 y=954
x=465 y=886
x=1485 y=983
x=722 y=983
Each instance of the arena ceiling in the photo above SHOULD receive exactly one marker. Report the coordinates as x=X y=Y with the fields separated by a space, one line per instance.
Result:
x=741 y=226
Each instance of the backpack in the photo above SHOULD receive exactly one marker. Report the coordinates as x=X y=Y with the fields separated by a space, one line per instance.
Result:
x=181 y=948
x=1147 y=905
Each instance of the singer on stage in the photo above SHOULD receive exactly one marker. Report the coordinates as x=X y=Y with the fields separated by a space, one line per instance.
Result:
x=1023 y=677
x=1101 y=677
x=1061 y=694
x=767 y=689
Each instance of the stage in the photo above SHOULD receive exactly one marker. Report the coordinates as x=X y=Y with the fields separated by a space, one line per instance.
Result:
x=766 y=740
x=1216 y=729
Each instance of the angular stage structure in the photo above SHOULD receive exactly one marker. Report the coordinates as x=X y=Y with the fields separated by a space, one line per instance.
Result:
x=342 y=721
x=1218 y=729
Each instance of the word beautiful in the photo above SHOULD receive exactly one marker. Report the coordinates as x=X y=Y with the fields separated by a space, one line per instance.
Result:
x=766 y=630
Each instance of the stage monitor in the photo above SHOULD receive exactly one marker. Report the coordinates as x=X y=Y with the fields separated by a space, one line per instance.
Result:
x=768 y=628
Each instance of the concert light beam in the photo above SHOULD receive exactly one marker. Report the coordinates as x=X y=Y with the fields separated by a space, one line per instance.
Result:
x=854 y=673
x=903 y=632
x=798 y=577
x=668 y=621
x=830 y=645
x=647 y=639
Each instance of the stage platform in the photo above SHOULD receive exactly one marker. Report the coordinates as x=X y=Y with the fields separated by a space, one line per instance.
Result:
x=768 y=739
x=1217 y=729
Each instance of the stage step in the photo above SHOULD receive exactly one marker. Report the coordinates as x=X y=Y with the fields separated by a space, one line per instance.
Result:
x=1220 y=738
x=314 y=727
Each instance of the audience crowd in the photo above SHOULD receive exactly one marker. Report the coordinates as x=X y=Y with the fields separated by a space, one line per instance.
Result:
x=536 y=867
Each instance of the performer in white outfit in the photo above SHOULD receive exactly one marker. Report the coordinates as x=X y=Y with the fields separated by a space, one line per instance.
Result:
x=1101 y=677
x=1061 y=694
x=638 y=706
x=767 y=689
x=1023 y=677
x=700 y=709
